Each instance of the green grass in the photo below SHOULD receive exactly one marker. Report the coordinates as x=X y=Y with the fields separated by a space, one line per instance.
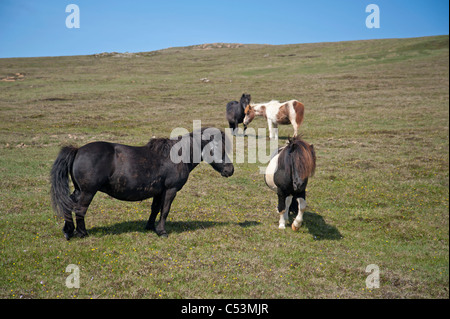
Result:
x=376 y=111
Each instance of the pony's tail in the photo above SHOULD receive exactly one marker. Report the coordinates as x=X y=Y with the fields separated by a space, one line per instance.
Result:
x=59 y=179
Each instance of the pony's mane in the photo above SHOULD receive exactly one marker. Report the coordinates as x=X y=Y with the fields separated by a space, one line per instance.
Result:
x=161 y=146
x=244 y=99
x=164 y=145
x=300 y=155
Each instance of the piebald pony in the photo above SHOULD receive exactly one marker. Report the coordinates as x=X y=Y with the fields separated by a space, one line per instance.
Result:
x=287 y=174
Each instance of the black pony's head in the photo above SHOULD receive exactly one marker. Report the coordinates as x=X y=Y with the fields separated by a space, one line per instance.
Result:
x=214 y=151
x=206 y=144
x=245 y=100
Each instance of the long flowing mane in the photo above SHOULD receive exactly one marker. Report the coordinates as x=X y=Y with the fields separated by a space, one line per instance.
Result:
x=300 y=156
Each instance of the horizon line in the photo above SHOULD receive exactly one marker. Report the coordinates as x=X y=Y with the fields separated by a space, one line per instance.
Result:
x=198 y=44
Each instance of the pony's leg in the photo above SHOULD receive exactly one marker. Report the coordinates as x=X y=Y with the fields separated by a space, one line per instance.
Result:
x=168 y=198
x=295 y=126
x=283 y=210
x=156 y=207
x=81 y=207
x=69 y=226
x=275 y=131
x=270 y=124
x=234 y=128
x=301 y=209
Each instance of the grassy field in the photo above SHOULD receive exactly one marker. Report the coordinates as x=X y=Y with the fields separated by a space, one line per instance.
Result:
x=377 y=113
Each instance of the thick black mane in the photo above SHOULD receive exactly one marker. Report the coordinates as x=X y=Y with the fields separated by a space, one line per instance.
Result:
x=161 y=146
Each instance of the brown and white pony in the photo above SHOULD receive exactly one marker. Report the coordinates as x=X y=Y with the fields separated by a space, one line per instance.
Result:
x=275 y=112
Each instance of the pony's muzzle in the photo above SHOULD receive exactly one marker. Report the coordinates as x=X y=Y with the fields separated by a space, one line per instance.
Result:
x=297 y=184
x=227 y=171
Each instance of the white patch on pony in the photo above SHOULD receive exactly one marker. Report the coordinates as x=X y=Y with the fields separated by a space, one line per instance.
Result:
x=292 y=114
x=282 y=222
x=301 y=203
x=284 y=215
x=270 y=172
x=299 y=219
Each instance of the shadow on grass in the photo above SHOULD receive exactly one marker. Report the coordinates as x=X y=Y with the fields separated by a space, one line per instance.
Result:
x=171 y=227
x=318 y=228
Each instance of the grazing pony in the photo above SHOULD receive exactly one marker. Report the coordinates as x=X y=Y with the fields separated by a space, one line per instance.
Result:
x=290 y=112
x=236 y=114
x=287 y=174
x=132 y=173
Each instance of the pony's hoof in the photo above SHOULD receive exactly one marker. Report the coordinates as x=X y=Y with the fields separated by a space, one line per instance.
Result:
x=81 y=234
x=67 y=235
x=162 y=234
x=294 y=227
x=281 y=227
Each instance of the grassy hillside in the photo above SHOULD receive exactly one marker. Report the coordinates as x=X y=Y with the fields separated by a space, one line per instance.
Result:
x=377 y=112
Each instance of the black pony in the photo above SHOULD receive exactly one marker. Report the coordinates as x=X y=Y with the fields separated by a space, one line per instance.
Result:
x=235 y=112
x=287 y=174
x=158 y=169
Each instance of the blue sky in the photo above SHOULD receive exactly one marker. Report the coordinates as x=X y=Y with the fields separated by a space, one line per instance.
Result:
x=38 y=28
